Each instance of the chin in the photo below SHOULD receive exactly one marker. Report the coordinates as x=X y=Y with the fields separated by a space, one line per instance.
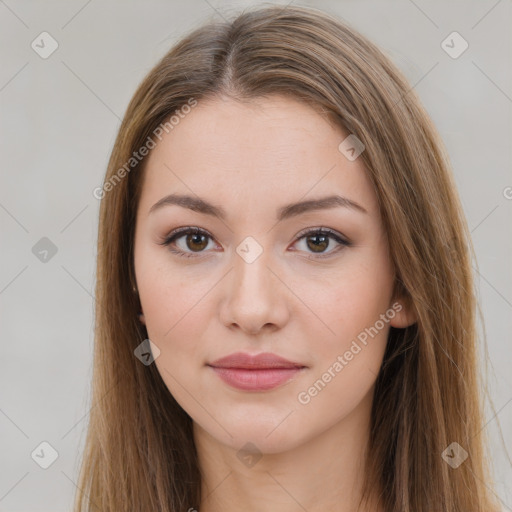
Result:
x=268 y=435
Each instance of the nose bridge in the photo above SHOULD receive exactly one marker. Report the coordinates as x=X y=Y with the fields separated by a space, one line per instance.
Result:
x=253 y=296
x=251 y=273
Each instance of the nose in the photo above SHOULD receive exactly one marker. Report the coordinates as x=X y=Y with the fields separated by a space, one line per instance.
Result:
x=255 y=299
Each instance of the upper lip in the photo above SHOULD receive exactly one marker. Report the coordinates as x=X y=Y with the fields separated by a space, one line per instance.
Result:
x=243 y=360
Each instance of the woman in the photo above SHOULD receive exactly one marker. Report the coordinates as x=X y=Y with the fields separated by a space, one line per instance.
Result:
x=285 y=305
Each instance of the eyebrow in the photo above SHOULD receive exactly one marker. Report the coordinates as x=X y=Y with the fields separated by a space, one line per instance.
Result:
x=285 y=212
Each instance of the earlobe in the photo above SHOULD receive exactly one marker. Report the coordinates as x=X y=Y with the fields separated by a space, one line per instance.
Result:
x=405 y=315
x=141 y=318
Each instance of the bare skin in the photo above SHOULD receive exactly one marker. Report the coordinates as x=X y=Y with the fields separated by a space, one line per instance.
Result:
x=306 y=302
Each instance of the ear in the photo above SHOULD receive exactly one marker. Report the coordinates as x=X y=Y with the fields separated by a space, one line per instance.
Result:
x=405 y=313
x=142 y=320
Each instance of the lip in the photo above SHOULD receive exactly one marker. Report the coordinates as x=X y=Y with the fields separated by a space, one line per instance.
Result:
x=260 y=372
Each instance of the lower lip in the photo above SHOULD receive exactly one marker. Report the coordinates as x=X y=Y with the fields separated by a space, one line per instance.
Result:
x=256 y=380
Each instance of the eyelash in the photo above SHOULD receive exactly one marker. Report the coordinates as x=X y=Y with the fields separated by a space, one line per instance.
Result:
x=178 y=233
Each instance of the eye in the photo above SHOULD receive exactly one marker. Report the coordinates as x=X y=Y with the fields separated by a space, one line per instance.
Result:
x=318 y=240
x=195 y=240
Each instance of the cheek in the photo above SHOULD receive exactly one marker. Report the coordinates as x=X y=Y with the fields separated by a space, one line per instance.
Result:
x=347 y=302
x=177 y=313
x=172 y=297
x=347 y=362
x=177 y=323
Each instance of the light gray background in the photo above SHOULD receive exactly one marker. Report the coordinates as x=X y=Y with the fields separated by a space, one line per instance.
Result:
x=59 y=117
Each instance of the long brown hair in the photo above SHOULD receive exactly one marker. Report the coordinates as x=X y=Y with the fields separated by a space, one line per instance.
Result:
x=139 y=452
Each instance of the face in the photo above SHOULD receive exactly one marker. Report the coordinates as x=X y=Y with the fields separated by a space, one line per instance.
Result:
x=246 y=273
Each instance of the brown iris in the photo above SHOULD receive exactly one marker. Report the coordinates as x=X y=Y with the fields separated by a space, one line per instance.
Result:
x=321 y=244
x=197 y=239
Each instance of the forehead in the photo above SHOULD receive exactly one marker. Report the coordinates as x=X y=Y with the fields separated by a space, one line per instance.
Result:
x=262 y=151
x=230 y=129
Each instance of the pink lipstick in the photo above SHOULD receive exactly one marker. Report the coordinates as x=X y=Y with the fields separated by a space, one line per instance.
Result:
x=255 y=373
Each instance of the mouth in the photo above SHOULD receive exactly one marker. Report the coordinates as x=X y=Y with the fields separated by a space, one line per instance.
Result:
x=261 y=372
